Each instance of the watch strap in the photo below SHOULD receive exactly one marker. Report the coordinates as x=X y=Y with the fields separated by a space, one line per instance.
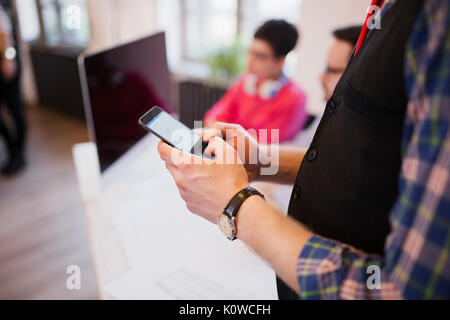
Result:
x=238 y=199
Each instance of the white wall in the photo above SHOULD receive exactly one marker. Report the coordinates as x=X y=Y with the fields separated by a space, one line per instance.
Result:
x=317 y=21
x=117 y=21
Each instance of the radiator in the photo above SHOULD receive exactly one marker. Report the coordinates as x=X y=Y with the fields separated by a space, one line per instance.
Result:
x=195 y=98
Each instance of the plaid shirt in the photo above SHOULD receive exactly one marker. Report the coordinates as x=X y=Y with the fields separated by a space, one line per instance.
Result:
x=415 y=264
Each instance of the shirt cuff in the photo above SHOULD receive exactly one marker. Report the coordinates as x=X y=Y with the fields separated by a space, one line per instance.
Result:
x=319 y=268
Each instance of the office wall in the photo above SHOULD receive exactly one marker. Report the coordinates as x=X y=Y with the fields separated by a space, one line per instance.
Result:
x=117 y=21
x=317 y=20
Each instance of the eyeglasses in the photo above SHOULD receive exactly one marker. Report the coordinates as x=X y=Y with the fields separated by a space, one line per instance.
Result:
x=259 y=55
x=329 y=69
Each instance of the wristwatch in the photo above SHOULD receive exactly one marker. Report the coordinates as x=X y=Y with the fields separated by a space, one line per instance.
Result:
x=227 y=220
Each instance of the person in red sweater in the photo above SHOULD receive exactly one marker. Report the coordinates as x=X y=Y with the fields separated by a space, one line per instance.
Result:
x=264 y=98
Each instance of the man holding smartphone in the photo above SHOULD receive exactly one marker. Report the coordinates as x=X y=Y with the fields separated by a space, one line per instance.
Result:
x=370 y=194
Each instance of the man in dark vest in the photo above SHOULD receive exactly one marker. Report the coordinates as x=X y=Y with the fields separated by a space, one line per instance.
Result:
x=369 y=214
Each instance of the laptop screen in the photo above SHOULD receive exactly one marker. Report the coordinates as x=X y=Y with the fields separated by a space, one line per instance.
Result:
x=120 y=85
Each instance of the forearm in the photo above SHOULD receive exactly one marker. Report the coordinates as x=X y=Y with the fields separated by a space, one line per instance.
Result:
x=276 y=238
x=288 y=161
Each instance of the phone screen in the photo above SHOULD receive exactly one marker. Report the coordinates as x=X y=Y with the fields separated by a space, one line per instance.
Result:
x=174 y=132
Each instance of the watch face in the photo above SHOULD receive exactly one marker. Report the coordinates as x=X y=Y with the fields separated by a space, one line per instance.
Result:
x=226 y=225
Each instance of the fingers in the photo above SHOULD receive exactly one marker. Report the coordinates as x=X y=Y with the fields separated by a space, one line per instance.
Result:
x=181 y=160
x=199 y=131
x=211 y=133
x=231 y=132
x=164 y=150
x=209 y=151
x=207 y=134
x=223 y=152
x=174 y=156
x=224 y=127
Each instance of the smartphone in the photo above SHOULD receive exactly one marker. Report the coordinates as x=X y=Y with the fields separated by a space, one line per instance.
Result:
x=172 y=131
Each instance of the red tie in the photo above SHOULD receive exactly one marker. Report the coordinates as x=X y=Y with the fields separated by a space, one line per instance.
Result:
x=363 y=34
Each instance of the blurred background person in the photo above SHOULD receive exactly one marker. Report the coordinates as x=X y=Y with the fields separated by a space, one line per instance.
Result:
x=264 y=98
x=337 y=59
x=10 y=97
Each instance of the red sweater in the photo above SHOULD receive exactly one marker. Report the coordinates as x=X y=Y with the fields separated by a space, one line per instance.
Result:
x=285 y=111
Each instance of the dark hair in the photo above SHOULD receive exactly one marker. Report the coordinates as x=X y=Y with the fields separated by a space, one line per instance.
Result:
x=348 y=34
x=281 y=36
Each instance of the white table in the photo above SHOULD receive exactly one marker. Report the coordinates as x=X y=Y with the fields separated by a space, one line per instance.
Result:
x=147 y=245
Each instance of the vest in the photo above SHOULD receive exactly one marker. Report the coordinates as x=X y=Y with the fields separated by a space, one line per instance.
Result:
x=348 y=180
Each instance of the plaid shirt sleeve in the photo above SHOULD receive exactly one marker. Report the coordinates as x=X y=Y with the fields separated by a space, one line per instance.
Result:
x=415 y=264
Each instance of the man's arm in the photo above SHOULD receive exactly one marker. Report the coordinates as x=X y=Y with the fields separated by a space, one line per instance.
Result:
x=274 y=237
x=415 y=263
x=207 y=186
x=286 y=160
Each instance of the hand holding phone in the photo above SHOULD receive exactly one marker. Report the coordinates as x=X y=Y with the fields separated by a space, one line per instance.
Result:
x=172 y=131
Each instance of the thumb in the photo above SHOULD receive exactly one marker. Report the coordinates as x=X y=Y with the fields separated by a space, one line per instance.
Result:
x=222 y=151
x=222 y=126
x=207 y=134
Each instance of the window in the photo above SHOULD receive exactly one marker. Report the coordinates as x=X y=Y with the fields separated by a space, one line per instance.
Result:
x=59 y=23
x=195 y=28
x=28 y=20
x=209 y=24
x=254 y=13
